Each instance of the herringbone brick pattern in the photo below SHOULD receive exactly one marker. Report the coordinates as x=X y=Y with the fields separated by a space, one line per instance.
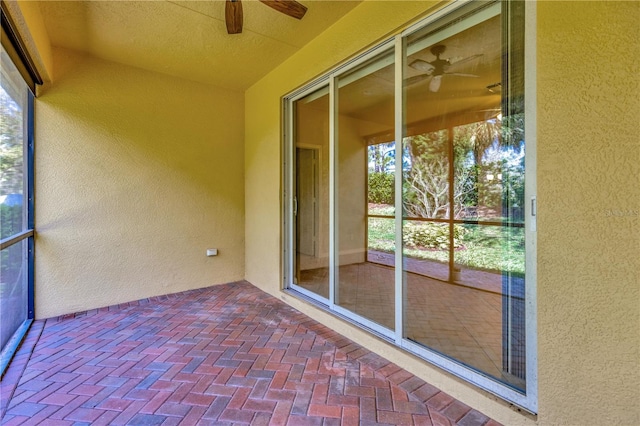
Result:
x=228 y=354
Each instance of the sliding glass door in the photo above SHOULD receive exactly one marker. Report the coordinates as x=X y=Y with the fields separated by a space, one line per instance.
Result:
x=408 y=180
x=310 y=191
x=16 y=208
x=365 y=106
x=463 y=194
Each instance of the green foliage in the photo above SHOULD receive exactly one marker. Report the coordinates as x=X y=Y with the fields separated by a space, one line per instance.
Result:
x=381 y=157
x=11 y=183
x=488 y=170
x=381 y=188
x=382 y=209
x=11 y=155
x=431 y=235
x=381 y=234
x=488 y=182
x=11 y=258
x=483 y=247
x=493 y=248
x=513 y=184
x=10 y=220
x=425 y=185
x=480 y=247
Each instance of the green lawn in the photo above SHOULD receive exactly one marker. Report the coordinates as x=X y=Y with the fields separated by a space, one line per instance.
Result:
x=493 y=248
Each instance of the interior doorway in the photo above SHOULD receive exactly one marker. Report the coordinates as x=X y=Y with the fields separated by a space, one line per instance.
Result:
x=306 y=209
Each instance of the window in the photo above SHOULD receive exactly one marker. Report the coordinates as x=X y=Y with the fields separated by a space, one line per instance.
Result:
x=16 y=201
x=409 y=186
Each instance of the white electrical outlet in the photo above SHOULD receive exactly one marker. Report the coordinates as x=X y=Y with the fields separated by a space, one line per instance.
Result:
x=212 y=252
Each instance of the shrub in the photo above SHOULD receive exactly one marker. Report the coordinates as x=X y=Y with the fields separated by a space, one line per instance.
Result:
x=431 y=235
x=10 y=220
x=381 y=188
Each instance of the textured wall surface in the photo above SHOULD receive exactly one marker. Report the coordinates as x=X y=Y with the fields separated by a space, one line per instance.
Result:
x=29 y=23
x=137 y=175
x=589 y=204
x=588 y=192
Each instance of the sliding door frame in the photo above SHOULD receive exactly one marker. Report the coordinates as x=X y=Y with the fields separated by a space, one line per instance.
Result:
x=329 y=82
x=27 y=235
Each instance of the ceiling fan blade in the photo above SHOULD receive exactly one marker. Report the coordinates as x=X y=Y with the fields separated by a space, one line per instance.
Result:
x=288 y=7
x=459 y=74
x=423 y=66
x=233 y=16
x=464 y=60
x=434 y=84
x=416 y=79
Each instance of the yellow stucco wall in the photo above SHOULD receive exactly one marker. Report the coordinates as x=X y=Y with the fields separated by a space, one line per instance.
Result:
x=588 y=196
x=28 y=20
x=137 y=175
x=589 y=204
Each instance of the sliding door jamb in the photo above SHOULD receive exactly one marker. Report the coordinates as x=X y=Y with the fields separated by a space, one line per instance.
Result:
x=333 y=202
x=399 y=133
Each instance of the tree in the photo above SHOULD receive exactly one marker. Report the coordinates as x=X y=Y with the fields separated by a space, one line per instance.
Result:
x=426 y=184
x=11 y=164
x=488 y=170
x=11 y=145
x=381 y=157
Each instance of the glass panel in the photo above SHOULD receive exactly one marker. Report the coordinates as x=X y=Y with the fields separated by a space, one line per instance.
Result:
x=312 y=192
x=462 y=209
x=489 y=258
x=13 y=102
x=459 y=322
x=365 y=163
x=13 y=289
x=464 y=259
x=14 y=280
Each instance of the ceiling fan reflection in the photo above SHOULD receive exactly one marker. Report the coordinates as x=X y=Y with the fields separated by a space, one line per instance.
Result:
x=438 y=68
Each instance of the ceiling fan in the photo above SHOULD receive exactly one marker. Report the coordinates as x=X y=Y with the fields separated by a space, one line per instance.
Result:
x=437 y=68
x=233 y=12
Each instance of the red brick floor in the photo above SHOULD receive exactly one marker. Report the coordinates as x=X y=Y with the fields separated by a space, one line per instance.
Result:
x=228 y=354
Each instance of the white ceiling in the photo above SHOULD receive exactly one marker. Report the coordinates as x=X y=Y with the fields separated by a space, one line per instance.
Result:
x=188 y=39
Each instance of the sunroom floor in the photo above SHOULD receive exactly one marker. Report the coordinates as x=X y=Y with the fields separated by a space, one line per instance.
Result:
x=227 y=354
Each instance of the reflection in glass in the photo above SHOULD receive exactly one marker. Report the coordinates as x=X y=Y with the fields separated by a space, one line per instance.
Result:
x=490 y=171
x=381 y=203
x=426 y=180
x=460 y=213
x=491 y=248
x=13 y=289
x=457 y=321
x=426 y=248
x=364 y=186
x=312 y=192
x=14 y=279
x=381 y=179
x=12 y=102
x=463 y=198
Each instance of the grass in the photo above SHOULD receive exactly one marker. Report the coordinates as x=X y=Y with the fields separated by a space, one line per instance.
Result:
x=381 y=209
x=493 y=248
